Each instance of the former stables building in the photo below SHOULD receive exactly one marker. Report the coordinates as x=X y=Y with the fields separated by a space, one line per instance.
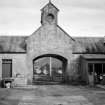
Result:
x=51 y=55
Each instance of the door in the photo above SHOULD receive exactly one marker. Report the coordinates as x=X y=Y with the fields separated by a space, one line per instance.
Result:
x=6 y=68
x=98 y=68
x=57 y=70
x=48 y=69
x=96 y=72
x=41 y=69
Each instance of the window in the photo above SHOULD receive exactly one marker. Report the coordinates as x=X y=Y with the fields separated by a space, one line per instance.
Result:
x=6 y=68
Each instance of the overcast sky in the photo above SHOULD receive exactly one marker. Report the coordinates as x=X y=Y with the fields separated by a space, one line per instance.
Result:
x=76 y=17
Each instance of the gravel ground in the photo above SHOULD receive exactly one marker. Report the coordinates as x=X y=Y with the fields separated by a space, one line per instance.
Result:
x=52 y=95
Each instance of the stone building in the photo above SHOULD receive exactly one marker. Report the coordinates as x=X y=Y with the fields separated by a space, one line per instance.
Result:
x=50 y=55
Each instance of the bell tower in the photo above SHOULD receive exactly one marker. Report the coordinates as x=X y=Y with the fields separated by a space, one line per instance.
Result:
x=49 y=14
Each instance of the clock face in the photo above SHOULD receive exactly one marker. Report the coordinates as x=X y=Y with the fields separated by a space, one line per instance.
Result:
x=50 y=18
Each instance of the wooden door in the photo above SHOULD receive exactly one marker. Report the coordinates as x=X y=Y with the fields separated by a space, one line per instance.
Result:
x=48 y=69
x=57 y=71
x=41 y=69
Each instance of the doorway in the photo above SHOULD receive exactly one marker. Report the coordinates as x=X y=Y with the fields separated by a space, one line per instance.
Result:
x=97 y=71
x=49 y=68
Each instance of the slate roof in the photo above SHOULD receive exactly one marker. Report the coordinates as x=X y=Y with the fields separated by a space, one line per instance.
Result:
x=91 y=44
x=12 y=44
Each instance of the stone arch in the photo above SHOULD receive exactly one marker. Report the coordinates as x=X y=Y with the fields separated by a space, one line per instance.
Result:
x=57 y=63
x=52 y=55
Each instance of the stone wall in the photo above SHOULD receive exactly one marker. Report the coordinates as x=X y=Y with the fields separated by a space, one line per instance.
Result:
x=18 y=64
x=51 y=39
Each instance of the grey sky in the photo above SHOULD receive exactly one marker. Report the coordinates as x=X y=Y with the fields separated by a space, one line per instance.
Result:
x=76 y=17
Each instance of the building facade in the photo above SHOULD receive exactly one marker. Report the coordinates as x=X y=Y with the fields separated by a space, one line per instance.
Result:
x=50 y=55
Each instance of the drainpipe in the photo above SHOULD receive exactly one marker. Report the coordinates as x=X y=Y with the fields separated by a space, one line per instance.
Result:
x=50 y=66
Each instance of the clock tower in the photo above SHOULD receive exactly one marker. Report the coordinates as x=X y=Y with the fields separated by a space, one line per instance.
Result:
x=49 y=14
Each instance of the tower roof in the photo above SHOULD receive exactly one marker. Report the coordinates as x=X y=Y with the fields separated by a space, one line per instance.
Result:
x=48 y=5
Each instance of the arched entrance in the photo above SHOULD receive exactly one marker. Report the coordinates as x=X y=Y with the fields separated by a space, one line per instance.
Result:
x=49 y=68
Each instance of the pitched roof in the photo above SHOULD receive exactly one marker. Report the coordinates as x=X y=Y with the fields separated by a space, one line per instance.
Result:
x=87 y=45
x=12 y=44
x=65 y=32
x=91 y=44
x=49 y=4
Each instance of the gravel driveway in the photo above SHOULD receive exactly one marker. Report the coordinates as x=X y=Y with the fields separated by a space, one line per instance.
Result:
x=52 y=95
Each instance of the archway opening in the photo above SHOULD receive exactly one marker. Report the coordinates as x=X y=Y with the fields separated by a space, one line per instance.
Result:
x=49 y=68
